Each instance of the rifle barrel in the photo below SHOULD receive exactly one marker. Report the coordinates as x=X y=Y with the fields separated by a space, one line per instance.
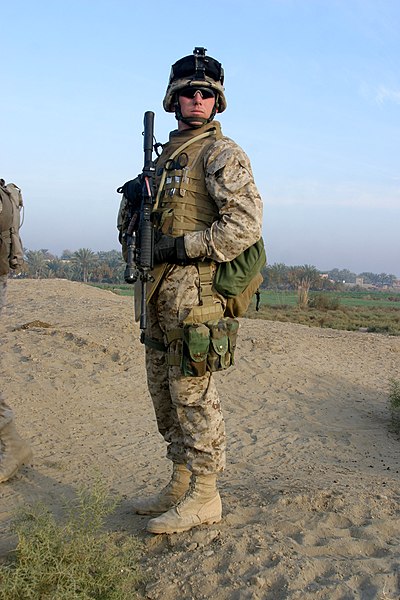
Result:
x=148 y=139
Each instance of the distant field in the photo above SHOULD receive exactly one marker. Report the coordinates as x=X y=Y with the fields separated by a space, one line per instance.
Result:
x=370 y=311
x=366 y=310
x=367 y=298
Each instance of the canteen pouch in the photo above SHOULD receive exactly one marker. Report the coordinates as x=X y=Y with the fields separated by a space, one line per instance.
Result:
x=196 y=343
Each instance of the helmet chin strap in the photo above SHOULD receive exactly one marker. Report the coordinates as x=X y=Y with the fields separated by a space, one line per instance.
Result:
x=193 y=122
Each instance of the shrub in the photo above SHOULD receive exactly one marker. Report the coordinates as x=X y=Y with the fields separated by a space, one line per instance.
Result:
x=324 y=302
x=72 y=560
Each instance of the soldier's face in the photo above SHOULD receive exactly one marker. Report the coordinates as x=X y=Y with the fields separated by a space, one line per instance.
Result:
x=195 y=107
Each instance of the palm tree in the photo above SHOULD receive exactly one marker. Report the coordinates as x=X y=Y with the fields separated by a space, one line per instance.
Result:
x=84 y=258
x=112 y=266
x=277 y=275
x=37 y=263
x=303 y=277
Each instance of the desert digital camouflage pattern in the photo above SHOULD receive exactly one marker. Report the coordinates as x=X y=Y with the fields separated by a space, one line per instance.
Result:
x=188 y=409
x=230 y=183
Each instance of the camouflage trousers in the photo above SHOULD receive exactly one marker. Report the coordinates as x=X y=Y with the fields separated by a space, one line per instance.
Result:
x=6 y=413
x=188 y=409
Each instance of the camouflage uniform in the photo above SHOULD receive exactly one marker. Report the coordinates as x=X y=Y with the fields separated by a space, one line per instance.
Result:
x=14 y=450
x=6 y=414
x=188 y=409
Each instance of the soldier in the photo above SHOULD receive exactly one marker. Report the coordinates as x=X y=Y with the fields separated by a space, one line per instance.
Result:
x=14 y=450
x=208 y=210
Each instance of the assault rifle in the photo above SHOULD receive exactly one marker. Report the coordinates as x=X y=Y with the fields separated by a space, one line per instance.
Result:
x=140 y=233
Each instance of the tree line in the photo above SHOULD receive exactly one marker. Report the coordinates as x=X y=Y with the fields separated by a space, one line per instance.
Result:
x=80 y=265
x=281 y=275
x=108 y=267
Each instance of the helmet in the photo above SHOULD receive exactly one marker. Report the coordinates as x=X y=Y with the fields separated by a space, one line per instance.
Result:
x=196 y=70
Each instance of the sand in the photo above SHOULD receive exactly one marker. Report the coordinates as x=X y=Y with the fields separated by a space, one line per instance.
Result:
x=311 y=489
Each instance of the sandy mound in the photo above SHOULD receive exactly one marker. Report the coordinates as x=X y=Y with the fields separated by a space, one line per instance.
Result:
x=311 y=489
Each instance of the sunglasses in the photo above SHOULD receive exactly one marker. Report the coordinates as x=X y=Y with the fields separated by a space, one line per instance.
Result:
x=190 y=92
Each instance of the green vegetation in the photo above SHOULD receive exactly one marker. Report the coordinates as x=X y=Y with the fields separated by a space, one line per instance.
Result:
x=81 y=265
x=394 y=402
x=283 y=276
x=75 y=559
x=121 y=289
x=365 y=298
x=351 y=311
x=299 y=294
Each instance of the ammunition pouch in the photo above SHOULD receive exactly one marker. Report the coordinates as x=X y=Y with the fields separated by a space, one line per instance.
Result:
x=208 y=346
x=196 y=344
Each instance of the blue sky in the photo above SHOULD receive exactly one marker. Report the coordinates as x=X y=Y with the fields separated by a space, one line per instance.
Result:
x=313 y=90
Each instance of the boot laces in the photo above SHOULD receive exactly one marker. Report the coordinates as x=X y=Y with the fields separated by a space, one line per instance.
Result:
x=188 y=495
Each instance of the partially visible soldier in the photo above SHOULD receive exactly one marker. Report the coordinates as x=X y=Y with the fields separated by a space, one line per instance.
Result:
x=208 y=210
x=14 y=451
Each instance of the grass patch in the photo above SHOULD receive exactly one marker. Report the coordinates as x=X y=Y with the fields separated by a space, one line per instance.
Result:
x=74 y=559
x=121 y=289
x=394 y=403
x=350 y=318
x=324 y=302
x=351 y=311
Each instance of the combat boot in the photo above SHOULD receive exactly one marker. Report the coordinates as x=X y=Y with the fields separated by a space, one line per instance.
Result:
x=15 y=452
x=201 y=504
x=168 y=496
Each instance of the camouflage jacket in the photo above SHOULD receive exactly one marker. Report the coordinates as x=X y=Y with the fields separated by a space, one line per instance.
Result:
x=229 y=181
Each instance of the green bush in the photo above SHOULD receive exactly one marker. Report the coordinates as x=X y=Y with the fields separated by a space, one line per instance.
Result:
x=72 y=560
x=324 y=302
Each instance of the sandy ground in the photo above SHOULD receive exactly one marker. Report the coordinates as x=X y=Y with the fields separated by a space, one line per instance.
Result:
x=311 y=489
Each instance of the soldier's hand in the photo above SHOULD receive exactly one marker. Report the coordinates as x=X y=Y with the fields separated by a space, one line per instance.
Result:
x=171 y=250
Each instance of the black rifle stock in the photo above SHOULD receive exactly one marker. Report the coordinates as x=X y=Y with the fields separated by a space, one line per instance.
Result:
x=140 y=235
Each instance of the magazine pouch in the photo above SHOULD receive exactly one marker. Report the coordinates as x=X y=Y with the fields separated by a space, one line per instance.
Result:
x=223 y=335
x=196 y=343
x=218 y=354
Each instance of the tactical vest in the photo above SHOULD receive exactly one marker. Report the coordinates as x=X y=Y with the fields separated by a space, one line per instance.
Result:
x=183 y=204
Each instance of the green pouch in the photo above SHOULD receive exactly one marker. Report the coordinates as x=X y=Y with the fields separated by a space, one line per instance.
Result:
x=196 y=342
x=218 y=354
x=233 y=277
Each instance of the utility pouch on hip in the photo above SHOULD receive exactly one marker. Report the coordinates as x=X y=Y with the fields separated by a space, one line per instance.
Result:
x=209 y=346
x=223 y=336
x=218 y=354
x=196 y=342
